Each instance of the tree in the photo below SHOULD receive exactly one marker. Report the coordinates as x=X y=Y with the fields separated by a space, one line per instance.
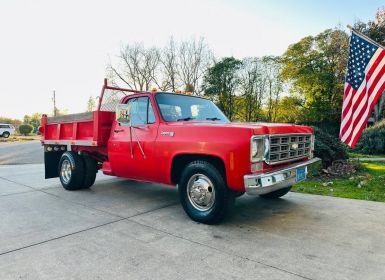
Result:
x=91 y=104
x=195 y=57
x=14 y=122
x=315 y=68
x=289 y=109
x=137 y=67
x=251 y=87
x=25 y=129
x=221 y=82
x=33 y=120
x=170 y=63
x=274 y=87
x=174 y=66
x=27 y=119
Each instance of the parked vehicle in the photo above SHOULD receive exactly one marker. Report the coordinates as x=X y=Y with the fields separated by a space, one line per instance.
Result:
x=176 y=139
x=6 y=130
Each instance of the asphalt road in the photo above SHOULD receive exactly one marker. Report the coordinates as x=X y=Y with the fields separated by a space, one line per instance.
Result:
x=121 y=229
x=21 y=153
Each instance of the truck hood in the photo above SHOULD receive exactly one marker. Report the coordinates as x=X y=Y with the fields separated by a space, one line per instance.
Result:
x=255 y=127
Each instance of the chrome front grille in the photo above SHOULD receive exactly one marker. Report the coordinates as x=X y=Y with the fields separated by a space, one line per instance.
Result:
x=289 y=147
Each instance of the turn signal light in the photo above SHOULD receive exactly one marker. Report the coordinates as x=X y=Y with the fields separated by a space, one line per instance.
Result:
x=256 y=167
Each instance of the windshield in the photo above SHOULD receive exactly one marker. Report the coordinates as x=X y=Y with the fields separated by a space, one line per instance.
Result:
x=174 y=107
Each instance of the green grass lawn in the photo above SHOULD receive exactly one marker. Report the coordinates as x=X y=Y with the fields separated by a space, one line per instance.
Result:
x=368 y=184
x=358 y=155
x=20 y=138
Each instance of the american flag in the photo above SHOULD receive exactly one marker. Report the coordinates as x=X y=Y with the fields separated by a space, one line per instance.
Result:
x=364 y=83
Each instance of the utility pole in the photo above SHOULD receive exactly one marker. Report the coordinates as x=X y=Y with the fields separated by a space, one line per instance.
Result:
x=54 y=103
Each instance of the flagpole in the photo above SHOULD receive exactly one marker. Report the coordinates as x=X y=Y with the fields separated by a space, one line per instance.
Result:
x=366 y=37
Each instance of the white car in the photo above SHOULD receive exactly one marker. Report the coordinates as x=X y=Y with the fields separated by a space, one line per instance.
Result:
x=6 y=130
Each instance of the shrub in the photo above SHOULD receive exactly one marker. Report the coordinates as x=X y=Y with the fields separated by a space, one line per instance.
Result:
x=25 y=129
x=372 y=140
x=328 y=148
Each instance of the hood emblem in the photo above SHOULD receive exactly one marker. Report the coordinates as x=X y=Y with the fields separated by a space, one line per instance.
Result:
x=294 y=146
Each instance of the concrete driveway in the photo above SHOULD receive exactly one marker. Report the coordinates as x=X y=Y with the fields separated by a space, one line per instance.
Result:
x=21 y=152
x=126 y=230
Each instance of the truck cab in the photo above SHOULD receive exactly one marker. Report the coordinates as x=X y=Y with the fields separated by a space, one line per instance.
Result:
x=177 y=140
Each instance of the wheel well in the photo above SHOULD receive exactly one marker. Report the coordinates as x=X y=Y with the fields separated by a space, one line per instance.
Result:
x=179 y=162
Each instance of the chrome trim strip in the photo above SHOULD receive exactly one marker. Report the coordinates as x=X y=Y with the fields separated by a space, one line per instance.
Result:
x=70 y=142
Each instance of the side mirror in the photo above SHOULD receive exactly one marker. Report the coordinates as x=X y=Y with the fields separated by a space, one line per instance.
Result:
x=123 y=114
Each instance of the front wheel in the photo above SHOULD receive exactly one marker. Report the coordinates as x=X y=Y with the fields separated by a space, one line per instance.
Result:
x=276 y=194
x=6 y=134
x=203 y=193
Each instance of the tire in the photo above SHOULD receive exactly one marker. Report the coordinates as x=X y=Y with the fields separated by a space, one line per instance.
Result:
x=205 y=177
x=6 y=134
x=276 y=194
x=71 y=171
x=91 y=168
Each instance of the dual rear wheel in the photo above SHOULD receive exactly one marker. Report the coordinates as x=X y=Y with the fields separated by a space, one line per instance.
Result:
x=77 y=172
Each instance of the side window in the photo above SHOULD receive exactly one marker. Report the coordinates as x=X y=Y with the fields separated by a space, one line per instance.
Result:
x=141 y=111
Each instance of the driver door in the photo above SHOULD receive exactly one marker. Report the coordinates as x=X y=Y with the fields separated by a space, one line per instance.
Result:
x=131 y=148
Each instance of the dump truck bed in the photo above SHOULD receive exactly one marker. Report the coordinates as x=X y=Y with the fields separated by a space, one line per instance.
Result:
x=90 y=129
x=84 y=129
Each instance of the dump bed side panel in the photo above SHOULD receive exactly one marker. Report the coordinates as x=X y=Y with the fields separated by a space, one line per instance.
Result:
x=84 y=129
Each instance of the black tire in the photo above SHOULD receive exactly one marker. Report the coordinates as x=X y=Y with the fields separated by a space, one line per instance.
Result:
x=91 y=168
x=75 y=180
x=276 y=194
x=6 y=134
x=222 y=201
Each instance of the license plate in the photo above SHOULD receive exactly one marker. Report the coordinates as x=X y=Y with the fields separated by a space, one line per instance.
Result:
x=301 y=174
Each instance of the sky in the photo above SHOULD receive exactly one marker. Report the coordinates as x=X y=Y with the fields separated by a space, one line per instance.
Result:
x=65 y=46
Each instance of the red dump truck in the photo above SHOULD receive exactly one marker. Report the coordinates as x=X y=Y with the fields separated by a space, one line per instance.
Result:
x=177 y=140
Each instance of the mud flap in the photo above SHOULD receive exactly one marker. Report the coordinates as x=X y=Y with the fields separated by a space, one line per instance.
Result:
x=51 y=164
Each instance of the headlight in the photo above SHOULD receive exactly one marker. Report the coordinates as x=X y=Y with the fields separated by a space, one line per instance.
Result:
x=254 y=148
x=258 y=148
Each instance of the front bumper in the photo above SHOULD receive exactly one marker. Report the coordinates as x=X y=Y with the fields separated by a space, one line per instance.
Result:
x=278 y=179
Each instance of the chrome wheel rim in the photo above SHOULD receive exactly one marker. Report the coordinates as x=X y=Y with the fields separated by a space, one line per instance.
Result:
x=66 y=171
x=201 y=192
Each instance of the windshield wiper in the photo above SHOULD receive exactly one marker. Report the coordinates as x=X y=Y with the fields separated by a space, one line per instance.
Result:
x=213 y=119
x=185 y=119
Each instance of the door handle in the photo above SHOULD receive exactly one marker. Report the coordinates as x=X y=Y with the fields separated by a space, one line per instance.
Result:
x=118 y=130
x=143 y=126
